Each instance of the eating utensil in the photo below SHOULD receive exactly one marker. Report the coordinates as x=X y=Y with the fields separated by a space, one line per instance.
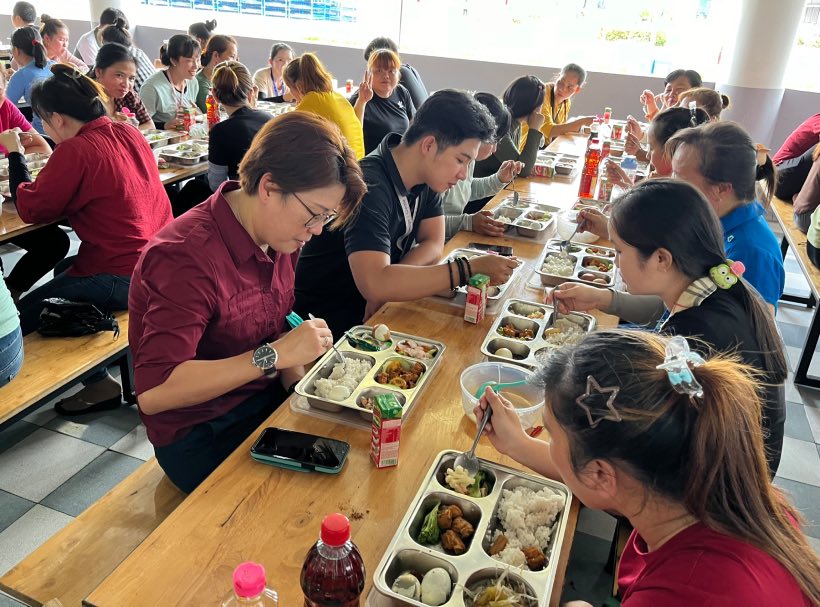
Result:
x=332 y=345
x=362 y=344
x=564 y=245
x=468 y=460
x=516 y=195
x=497 y=386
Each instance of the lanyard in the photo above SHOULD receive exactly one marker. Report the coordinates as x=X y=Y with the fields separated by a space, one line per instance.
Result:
x=174 y=91
x=275 y=89
x=409 y=219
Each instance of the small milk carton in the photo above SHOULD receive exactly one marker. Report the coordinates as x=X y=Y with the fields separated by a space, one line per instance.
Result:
x=385 y=431
x=476 y=303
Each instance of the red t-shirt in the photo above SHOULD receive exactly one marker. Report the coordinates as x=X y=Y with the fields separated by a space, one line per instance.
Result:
x=702 y=567
x=105 y=181
x=803 y=137
x=204 y=290
x=11 y=117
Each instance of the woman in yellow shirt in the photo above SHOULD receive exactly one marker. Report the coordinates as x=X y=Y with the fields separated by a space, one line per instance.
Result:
x=558 y=100
x=312 y=86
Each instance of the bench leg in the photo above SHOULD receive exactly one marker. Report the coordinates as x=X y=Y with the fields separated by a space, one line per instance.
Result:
x=127 y=378
x=809 y=301
x=801 y=375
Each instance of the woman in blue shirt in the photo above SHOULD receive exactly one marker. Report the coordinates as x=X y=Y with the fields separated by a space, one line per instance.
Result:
x=28 y=51
x=721 y=160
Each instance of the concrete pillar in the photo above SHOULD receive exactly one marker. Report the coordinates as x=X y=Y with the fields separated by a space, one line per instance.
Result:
x=756 y=65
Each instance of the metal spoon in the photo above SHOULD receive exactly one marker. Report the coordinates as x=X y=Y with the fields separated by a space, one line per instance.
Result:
x=468 y=460
x=332 y=345
x=565 y=243
x=516 y=196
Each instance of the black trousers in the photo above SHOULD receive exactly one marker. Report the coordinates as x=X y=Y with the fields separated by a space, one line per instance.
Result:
x=45 y=247
x=791 y=175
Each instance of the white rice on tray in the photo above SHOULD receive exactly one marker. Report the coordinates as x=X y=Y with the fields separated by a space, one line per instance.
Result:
x=558 y=266
x=527 y=518
x=565 y=332
x=345 y=376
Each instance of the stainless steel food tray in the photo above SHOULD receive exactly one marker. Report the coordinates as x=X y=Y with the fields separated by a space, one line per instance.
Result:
x=181 y=153
x=584 y=255
x=565 y=165
x=369 y=386
x=527 y=352
x=475 y=565
x=158 y=138
x=594 y=203
x=495 y=294
x=33 y=161
x=526 y=220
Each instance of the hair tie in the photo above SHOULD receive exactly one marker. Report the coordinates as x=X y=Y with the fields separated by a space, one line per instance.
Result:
x=678 y=364
x=34 y=42
x=726 y=275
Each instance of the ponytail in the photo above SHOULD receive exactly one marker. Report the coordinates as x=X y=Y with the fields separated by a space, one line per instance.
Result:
x=232 y=83
x=178 y=45
x=50 y=26
x=27 y=39
x=703 y=452
x=307 y=74
x=202 y=30
x=117 y=32
x=767 y=173
x=216 y=44
x=68 y=92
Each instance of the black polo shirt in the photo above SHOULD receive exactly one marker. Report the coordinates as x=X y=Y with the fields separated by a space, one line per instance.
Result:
x=230 y=139
x=324 y=282
x=385 y=116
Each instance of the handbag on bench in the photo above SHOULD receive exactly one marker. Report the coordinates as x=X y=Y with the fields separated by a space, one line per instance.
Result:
x=64 y=318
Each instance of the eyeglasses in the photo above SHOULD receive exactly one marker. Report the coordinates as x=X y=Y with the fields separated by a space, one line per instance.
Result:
x=316 y=219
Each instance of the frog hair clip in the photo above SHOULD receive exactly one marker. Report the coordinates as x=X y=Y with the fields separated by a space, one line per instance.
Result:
x=678 y=364
x=726 y=275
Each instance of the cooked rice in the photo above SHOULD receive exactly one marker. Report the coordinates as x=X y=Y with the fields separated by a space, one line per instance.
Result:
x=349 y=375
x=558 y=266
x=568 y=332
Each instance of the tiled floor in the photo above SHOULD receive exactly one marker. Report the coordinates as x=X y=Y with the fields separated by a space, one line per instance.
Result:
x=51 y=468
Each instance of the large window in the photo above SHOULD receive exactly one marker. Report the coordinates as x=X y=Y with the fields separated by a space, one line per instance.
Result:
x=803 y=71
x=620 y=36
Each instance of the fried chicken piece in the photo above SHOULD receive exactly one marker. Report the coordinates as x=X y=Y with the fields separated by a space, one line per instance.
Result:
x=445 y=518
x=536 y=559
x=498 y=545
x=452 y=543
x=463 y=527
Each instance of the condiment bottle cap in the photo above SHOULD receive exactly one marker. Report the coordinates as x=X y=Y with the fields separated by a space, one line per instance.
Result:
x=335 y=529
x=248 y=580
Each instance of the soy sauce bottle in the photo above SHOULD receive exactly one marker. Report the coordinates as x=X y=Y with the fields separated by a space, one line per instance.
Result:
x=333 y=574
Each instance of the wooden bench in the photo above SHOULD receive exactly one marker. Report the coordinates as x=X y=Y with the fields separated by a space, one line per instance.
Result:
x=52 y=365
x=72 y=563
x=796 y=240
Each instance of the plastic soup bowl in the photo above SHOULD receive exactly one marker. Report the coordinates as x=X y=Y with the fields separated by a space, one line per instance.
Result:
x=528 y=399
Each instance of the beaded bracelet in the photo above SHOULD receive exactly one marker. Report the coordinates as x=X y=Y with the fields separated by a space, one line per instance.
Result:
x=469 y=268
x=462 y=272
x=450 y=272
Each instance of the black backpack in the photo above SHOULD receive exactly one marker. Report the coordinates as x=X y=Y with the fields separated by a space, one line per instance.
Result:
x=64 y=318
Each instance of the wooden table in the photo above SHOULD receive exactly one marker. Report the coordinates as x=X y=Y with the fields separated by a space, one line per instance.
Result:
x=250 y=511
x=173 y=173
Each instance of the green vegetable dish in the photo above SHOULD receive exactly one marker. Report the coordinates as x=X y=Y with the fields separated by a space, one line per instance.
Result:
x=430 y=532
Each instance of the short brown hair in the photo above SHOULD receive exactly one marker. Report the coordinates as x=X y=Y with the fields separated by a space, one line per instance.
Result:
x=385 y=59
x=307 y=74
x=712 y=102
x=232 y=83
x=302 y=151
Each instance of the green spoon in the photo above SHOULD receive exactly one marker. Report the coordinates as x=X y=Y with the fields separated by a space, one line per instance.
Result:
x=496 y=386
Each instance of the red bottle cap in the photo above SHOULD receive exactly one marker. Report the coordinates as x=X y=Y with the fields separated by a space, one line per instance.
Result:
x=335 y=529
x=248 y=580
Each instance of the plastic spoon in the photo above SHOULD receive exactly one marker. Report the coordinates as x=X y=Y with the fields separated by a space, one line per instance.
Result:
x=497 y=386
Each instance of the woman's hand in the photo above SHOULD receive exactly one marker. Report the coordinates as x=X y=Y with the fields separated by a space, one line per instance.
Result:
x=536 y=120
x=592 y=220
x=483 y=223
x=504 y=428
x=634 y=127
x=10 y=140
x=366 y=87
x=509 y=169
x=617 y=176
x=497 y=267
x=572 y=297
x=304 y=344
x=632 y=145
x=650 y=105
x=174 y=123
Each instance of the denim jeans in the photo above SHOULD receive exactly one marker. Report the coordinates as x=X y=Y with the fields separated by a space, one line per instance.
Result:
x=11 y=355
x=106 y=291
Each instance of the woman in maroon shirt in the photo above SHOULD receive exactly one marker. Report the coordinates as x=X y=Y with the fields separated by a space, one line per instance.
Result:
x=642 y=427
x=102 y=177
x=210 y=294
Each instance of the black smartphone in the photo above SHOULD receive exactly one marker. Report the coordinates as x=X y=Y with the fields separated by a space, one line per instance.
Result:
x=492 y=248
x=300 y=451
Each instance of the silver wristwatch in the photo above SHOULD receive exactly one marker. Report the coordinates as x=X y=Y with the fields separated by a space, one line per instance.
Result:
x=265 y=358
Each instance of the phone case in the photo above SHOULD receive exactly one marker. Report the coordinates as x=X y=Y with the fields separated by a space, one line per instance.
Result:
x=291 y=465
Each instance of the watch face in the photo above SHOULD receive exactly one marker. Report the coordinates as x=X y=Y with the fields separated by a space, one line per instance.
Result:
x=264 y=357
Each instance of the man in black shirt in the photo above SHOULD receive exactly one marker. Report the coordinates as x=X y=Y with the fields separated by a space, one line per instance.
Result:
x=391 y=250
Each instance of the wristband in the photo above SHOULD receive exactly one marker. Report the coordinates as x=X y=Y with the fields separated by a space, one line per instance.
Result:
x=469 y=268
x=450 y=272
x=462 y=271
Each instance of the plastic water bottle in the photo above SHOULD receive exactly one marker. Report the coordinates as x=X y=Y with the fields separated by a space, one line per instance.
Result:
x=630 y=166
x=333 y=573
x=249 y=588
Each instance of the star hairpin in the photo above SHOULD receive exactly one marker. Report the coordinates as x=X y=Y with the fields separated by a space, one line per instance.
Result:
x=594 y=386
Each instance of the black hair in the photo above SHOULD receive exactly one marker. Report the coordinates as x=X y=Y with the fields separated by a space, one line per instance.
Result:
x=674 y=215
x=451 y=117
x=202 y=29
x=25 y=11
x=29 y=41
x=68 y=92
x=216 y=44
x=674 y=119
x=574 y=68
x=377 y=43
x=179 y=45
x=727 y=155
x=117 y=32
x=691 y=75
x=278 y=48
x=523 y=96
x=499 y=112
x=110 y=16
x=111 y=53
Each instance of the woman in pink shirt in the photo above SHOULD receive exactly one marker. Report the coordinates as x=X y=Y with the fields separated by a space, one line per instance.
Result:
x=102 y=177
x=55 y=39
x=642 y=427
